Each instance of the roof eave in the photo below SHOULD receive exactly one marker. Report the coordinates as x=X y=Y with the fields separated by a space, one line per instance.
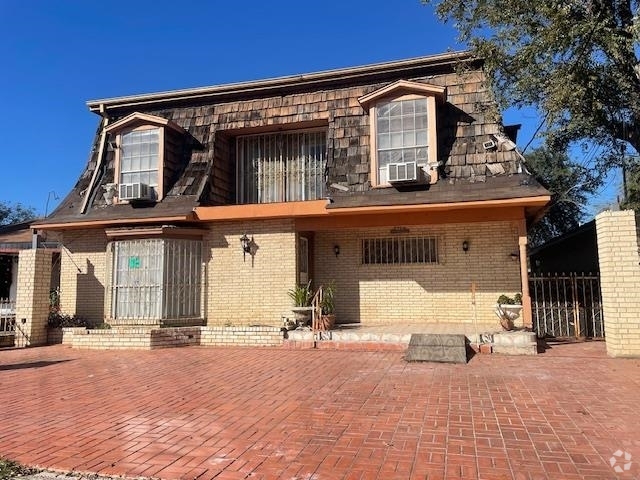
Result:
x=280 y=83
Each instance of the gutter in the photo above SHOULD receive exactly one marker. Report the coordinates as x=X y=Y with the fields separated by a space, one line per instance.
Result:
x=279 y=83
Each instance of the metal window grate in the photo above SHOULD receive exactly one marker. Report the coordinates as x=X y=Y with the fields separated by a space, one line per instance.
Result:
x=156 y=278
x=281 y=167
x=399 y=250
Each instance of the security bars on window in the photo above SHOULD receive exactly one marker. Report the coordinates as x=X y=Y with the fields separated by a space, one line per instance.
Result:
x=281 y=167
x=399 y=250
x=156 y=279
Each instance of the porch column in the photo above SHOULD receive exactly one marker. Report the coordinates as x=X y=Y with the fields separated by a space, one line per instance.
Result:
x=527 y=317
x=32 y=300
x=619 y=261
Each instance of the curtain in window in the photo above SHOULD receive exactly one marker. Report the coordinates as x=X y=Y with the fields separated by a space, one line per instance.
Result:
x=283 y=167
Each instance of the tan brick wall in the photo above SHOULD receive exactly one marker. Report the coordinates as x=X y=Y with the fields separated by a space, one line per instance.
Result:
x=241 y=336
x=620 y=281
x=32 y=301
x=84 y=274
x=251 y=290
x=421 y=293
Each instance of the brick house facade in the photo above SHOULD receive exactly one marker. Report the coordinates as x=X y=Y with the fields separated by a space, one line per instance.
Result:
x=395 y=181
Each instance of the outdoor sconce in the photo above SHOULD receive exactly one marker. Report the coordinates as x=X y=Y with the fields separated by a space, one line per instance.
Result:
x=245 y=242
x=465 y=246
x=336 y=250
x=514 y=256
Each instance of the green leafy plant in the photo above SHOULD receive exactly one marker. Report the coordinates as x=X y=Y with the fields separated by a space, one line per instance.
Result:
x=328 y=299
x=507 y=300
x=61 y=320
x=301 y=295
x=10 y=469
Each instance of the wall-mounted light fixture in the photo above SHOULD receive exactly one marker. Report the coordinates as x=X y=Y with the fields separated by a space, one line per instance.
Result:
x=514 y=256
x=245 y=242
x=336 y=250
x=465 y=246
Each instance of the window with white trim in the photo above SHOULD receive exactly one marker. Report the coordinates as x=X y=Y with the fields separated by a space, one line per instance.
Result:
x=156 y=279
x=401 y=134
x=281 y=167
x=399 y=250
x=139 y=158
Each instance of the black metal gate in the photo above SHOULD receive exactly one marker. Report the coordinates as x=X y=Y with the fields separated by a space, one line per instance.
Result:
x=567 y=305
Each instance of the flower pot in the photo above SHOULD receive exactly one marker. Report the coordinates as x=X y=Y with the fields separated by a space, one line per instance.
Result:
x=326 y=322
x=507 y=314
x=302 y=315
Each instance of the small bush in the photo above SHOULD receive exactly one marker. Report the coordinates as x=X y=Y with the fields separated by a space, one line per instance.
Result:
x=507 y=300
x=61 y=320
x=10 y=469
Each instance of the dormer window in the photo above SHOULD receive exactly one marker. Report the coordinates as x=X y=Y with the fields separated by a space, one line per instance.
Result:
x=403 y=132
x=140 y=159
x=145 y=155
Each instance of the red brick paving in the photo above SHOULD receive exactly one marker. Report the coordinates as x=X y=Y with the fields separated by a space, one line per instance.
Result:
x=319 y=414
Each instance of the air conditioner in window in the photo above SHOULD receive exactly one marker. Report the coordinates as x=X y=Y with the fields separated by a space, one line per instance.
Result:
x=134 y=191
x=403 y=172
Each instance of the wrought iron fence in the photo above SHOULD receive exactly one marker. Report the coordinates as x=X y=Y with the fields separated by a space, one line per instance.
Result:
x=7 y=315
x=567 y=305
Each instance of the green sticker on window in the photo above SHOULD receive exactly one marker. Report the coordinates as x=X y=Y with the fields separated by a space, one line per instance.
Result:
x=134 y=262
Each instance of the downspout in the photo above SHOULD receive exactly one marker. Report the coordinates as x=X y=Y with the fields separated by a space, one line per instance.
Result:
x=91 y=190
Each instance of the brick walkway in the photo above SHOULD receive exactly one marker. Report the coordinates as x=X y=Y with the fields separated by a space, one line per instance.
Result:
x=280 y=414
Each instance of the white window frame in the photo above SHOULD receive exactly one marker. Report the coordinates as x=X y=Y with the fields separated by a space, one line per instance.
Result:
x=157 y=188
x=432 y=139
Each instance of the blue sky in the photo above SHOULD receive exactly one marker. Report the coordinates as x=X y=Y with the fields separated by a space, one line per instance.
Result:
x=57 y=55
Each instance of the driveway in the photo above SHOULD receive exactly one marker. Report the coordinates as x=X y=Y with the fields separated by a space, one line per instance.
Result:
x=268 y=413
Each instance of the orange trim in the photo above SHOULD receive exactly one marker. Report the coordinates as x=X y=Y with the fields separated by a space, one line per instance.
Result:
x=434 y=207
x=103 y=223
x=317 y=208
x=312 y=208
x=328 y=223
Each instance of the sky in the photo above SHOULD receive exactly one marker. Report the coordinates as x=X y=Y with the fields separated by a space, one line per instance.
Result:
x=57 y=55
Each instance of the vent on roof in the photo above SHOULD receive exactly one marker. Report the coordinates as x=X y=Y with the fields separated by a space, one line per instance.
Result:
x=134 y=191
x=403 y=172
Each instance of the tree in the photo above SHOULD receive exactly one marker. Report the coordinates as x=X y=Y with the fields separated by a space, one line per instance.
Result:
x=574 y=60
x=15 y=213
x=570 y=185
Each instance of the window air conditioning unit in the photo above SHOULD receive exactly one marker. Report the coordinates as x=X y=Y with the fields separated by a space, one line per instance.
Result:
x=134 y=191
x=403 y=172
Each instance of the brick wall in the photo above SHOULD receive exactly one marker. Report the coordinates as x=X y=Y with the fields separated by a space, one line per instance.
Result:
x=421 y=292
x=84 y=274
x=241 y=336
x=250 y=290
x=32 y=301
x=620 y=281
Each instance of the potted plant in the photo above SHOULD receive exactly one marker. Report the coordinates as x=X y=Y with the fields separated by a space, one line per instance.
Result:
x=301 y=296
x=508 y=309
x=327 y=304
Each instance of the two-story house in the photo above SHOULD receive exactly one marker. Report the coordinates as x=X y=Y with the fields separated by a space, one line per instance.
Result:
x=396 y=181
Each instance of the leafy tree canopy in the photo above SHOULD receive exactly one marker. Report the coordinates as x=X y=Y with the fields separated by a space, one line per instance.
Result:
x=15 y=213
x=570 y=185
x=575 y=60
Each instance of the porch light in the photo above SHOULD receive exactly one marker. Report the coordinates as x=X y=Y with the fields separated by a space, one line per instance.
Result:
x=336 y=250
x=245 y=242
x=514 y=256
x=465 y=246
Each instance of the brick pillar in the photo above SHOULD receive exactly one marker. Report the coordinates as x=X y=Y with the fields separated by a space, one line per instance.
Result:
x=32 y=302
x=619 y=281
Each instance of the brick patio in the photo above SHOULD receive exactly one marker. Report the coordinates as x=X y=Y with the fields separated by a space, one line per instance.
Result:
x=272 y=413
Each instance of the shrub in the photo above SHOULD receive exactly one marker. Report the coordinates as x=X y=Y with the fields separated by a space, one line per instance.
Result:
x=61 y=320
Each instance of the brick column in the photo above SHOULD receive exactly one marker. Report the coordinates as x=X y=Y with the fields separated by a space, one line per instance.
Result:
x=619 y=281
x=32 y=302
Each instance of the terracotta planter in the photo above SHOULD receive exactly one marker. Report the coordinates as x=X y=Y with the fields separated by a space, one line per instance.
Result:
x=326 y=322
